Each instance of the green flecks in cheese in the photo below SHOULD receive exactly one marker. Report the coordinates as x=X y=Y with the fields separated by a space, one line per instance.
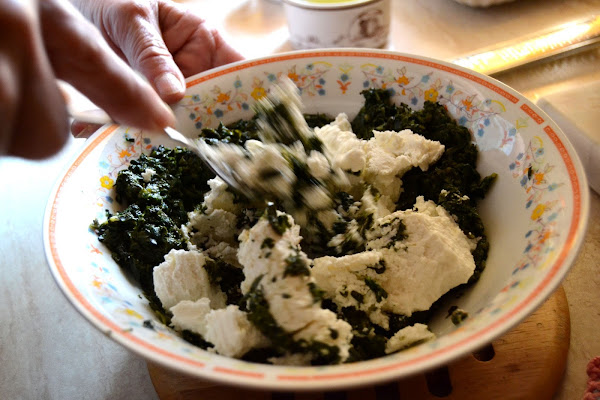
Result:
x=227 y=329
x=281 y=295
x=343 y=281
x=359 y=297
x=377 y=290
x=279 y=222
x=435 y=257
x=381 y=160
x=212 y=227
x=379 y=268
x=268 y=243
x=295 y=265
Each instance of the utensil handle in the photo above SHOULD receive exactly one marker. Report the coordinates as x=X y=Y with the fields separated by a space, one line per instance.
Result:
x=553 y=42
x=97 y=116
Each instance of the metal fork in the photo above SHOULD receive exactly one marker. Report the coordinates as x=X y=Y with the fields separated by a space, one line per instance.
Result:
x=197 y=146
x=280 y=121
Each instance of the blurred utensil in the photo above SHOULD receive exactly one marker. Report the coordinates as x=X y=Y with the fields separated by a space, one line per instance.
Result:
x=554 y=42
x=197 y=146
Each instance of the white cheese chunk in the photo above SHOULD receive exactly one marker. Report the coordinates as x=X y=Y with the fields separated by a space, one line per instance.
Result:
x=274 y=262
x=189 y=315
x=182 y=277
x=381 y=160
x=147 y=174
x=413 y=258
x=318 y=165
x=262 y=251
x=434 y=257
x=345 y=150
x=209 y=229
x=409 y=147
x=225 y=252
x=219 y=198
x=344 y=281
x=215 y=221
x=407 y=337
x=390 y=154
x=229 y=330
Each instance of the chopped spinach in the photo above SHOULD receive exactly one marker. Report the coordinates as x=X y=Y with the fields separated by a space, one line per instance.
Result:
x=379 y=268
x=236 y=133
x=149 y=227
x=227 y=277
x=316 y=292
x=268 y=243
x=195 y=339
x=377 y=290
x=380 y=113
x=317 y=120
x=357 y=296
x=295 y=265
x=280 y=223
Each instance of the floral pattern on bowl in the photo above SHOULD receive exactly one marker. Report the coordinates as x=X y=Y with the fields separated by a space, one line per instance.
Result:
x=535 y=215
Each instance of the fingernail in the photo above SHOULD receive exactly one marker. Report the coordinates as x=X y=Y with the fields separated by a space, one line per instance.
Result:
x=168 y=84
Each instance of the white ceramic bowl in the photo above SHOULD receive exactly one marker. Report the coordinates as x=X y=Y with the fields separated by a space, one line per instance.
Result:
x=338 y=23
x=535 y=215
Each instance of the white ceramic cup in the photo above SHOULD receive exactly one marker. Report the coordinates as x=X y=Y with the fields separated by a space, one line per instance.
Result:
x=352 y=23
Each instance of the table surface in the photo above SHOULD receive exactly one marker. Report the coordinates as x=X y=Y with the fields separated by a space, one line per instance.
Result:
x=48 y=350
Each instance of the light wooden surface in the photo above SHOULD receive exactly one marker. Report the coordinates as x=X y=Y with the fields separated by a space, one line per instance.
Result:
x=48 y=351
x=527 y=363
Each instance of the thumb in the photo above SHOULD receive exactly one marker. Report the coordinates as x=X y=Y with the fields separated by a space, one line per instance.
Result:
x=140 y=40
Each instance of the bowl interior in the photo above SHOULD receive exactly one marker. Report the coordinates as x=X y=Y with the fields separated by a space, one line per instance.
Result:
x=535 y=215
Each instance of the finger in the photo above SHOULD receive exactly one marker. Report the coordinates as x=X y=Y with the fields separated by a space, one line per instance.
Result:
x=83 y=129
x=81 y=57
x=195 y=47
x=34 y=120
x=134 y=29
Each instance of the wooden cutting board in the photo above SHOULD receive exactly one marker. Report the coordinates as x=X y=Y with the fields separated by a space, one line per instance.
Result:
x=526 y=363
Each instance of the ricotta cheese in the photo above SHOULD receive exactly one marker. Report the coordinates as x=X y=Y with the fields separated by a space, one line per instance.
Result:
x=413 y=257
x=407 y=337
x=147 y=174
x=227 y=329
x=382 y=160
x=182 y=277
x=274 y=264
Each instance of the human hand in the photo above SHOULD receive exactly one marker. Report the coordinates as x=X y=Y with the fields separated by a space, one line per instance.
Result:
x=162 y=40
x=49 y=39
